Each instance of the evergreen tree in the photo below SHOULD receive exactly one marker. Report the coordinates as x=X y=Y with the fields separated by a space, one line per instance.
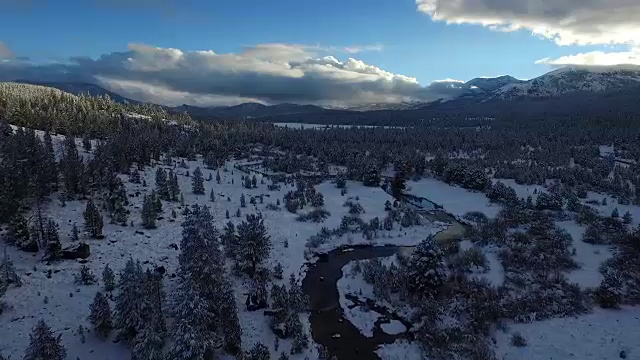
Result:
x=108 y=279
x=371 y=177
x=162 y=185
x=254 y=243
x=135 y=177
x=100 y=316
x=148 y=213
x=218 y=177
x=226 y=214
x=425 y=269
x=8 y=274
x=627 y=218
x=254 y=182
x=243 y=201
x=174 y=187
x=398 y=184
x=19 y=230
x=615 y=214
x=53 y=250
x=229 y=240
x=238 y=214
x=85 y=276
x=72 y=168
x=259 y=352
x=43 y=345
x=75 y=234
x=149 y=343
x=341 y=181
x=197 y=182
x=317 y=200
x=230 y=320
x=93 y=220
x=212 y=196
x=129 y=308
x=117 y=202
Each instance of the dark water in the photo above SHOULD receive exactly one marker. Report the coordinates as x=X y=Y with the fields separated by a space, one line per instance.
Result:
x=327 y=319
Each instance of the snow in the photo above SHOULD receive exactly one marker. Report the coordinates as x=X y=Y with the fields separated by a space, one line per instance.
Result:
x=305 y=126
x=395 y=327
x=400 y=350
x=495 y=275
x=455 y=200
x=523 y=191
x=606 y=210
x=601 y=335
x=589 y=256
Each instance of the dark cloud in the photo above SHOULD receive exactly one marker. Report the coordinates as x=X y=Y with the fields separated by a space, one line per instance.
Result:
x=269 y=73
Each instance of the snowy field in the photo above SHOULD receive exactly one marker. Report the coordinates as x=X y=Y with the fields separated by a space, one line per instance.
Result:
x=523 y=191
x=400 y=350
x=589 y=256
x=602 y=335
x=65 y=305
x=454 y=199
x=320 y=126
x=612 y=204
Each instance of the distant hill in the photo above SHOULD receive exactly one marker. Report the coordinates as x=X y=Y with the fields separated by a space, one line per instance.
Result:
x=249 y=110
x=78 y=88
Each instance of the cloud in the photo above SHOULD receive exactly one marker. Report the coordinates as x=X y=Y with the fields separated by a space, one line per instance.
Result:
x=567 y=22
x=363 y=48
x=596 y=58
x=268 y=73
x=5 y=52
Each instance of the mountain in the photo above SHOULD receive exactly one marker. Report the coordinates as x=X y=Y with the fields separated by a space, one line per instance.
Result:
x=249 y=110
x=78 y=88
x=488 y=85
x=573 y=80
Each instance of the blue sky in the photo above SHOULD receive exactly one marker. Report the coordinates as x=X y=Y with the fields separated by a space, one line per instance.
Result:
x=401 y=37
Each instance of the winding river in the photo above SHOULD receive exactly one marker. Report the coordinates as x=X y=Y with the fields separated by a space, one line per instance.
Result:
x=329 y=327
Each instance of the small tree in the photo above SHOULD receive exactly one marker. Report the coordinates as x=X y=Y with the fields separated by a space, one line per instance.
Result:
x=108 y=279
x=93 y=220
x=254 y=243
x=627 y=218
x=197 y=182
x=212 y=196
x=85 y=276
x=43 y=345
x=100 y=316
x=148 y=213
x=75 y=234
x=259 y=352
x=243 y=201
x=426 y=269
x=615 y=214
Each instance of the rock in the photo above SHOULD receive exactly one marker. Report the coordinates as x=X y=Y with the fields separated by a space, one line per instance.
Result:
x=82 y=251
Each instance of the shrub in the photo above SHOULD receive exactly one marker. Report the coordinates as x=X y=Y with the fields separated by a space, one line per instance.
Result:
x=518 y=340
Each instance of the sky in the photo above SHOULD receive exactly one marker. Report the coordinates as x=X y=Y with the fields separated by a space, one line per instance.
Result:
x=330 y=52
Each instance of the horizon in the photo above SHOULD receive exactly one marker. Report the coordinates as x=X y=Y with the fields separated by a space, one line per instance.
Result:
x=171 y=53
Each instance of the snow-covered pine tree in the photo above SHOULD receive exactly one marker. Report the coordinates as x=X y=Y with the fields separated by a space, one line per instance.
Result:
x=254 y=244
x=615 y=214
x=627 y=218
x=197 y=182
x=85 y=276
x=93 y=220
x=108 y=279
x=371 y=177
x=43 y=345
x=191 y=338
x=100 y=315
x=72 y=168
x=8 y=274
x=229 y=240
x=425 y=269
x=148 y=213
x=212 y=196
x=174 y=187
x=317 y=200
x=259 y=352
x=229 y=321
x=19 y=230
x=53 y=251
x=162 y=185
x=218 y=177
x=75 y=234
x=129 y=309
x=117 y=202
x=341 y=181
x=243 y=201
x=149 y=342
x=238 y=213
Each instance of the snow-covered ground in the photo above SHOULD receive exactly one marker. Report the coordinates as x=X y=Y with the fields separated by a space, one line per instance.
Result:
x=400 y=350
x=523 y=191
x=612 y=204
x=321 y=126
x=589 y=256
x=394 y=327
x=601 y=335
x=455 y=200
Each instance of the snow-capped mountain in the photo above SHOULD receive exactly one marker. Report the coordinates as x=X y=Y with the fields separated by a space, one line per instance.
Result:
x=488 y=85
x=571 y=80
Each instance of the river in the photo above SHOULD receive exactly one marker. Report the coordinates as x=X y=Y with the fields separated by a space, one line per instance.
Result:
x=328 y=324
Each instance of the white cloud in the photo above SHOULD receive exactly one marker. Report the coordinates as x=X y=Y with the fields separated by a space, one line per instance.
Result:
x=596 y=58
x=362 y=48
x=579 y=22
x=269 y=73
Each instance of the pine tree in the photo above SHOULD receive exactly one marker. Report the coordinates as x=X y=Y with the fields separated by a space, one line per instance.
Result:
x=238 y=213
x=191 y=340
x=259 y=352
x=100 y=316
x=135 y=177
x=218 y=177
x=8 y=274
x=149 y=343
x=212 y=196
x=226 y=214
x=243 y=201
x=317 y=200
x=19 y=230
x=398 y=184
x=162 y=186
x=254 y=243
x=174 y=187
x=197 y=182
x=43 y=345
x=53 y=250
x=341 y=181
x=117 y=202
x=230 y=320
x=129 y=308
x=148 y=213
x=627 y=218
x=254 y=182
x=615 y=214
x=75 y=234
x=425 y=269
x=85 y=276
x=229 y=240
x=371 y=177
x=72 y=168
x=108 y=279
x=93 y=220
